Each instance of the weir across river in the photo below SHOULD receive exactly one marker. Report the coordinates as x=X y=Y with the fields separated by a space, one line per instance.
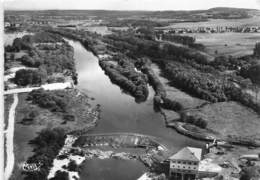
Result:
x=131 y=140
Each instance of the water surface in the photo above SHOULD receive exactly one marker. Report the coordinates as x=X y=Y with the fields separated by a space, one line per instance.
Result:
x=120 y=113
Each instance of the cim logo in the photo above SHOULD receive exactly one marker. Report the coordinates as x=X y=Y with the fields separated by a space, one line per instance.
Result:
x=32 y=167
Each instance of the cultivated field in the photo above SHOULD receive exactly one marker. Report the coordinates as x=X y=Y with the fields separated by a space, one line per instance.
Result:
x=235 y=44
x=254 y=21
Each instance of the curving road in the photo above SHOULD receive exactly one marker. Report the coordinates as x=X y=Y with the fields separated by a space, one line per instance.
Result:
x=9 y=134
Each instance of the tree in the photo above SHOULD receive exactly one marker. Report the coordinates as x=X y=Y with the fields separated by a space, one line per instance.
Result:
x=257 y=50
x=250 y=173
x=254 y=74
x=26 y=77
x=12 y=57
x=30 y=115
x=72 y=166
x=46 y=147
x=29 y=61
x=19 y=44
x=61 y=175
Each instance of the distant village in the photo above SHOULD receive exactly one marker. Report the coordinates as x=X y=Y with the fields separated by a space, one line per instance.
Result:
x=217 y=29
x=19 y=21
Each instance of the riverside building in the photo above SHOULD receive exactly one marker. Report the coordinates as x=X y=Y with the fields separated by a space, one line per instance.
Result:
x=184 y=165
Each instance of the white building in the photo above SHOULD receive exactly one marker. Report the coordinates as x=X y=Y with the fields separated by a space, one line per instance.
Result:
x=184 y=165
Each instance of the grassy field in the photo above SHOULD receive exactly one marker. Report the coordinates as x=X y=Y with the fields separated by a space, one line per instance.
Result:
x=235 y=44
x=46 y=119
x=231 y=118
x=175 y=94
x=22 y=135
x=254 y=21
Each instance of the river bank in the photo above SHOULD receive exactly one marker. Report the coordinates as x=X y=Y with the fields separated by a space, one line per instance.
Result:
x=166 y=95
x=31 y=118
x=120 y=113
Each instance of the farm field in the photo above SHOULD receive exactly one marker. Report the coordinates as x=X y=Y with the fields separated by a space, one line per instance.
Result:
x=230 y=118
x=254 y=21
x=235 y=44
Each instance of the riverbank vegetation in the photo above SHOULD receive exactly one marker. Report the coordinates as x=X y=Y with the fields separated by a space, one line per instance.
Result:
x=31 y=118
x=46 y=147
x=125 y=75
x=55 y=101
x=185 y=69
x=46 y=51
x=89 y=40
x=26 y=77
x=231 y=120
x=192 y=72
x=70 y=108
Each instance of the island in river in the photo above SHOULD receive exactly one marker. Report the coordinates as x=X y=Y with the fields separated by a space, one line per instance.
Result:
x=115 y=117
x=120 y=112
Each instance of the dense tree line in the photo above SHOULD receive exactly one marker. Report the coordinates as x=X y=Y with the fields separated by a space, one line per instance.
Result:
x=187 y=69
x=46 y=147
x=88 y=39
x=47 y=37
x=55 y=101
x=207 y=86
x=135 y=23
x=57 y=60
x=137 y=47
x=26 y=42
x=257 y=50
x=18 y=44
x=126 y=77
x=26 y=77
x=203 y=85
x=232 y=63
x=186 y=40
x=192 y=119
x=146 y=33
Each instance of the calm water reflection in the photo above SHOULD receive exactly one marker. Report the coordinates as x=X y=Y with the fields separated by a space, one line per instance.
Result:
x=120 y=113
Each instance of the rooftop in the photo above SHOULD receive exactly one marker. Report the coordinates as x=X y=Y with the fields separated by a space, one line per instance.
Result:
x=188 y=153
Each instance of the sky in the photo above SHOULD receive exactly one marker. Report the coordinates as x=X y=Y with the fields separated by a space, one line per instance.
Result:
x=128 y=4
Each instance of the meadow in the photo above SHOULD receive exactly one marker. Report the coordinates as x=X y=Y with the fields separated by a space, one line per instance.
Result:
x=235 y=44
x=253 y=21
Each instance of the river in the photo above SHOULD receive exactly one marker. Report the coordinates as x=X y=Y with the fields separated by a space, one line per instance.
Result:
x=120 y=113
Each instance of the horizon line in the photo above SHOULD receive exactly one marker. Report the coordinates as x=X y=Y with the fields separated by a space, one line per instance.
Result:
x=7 y=9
